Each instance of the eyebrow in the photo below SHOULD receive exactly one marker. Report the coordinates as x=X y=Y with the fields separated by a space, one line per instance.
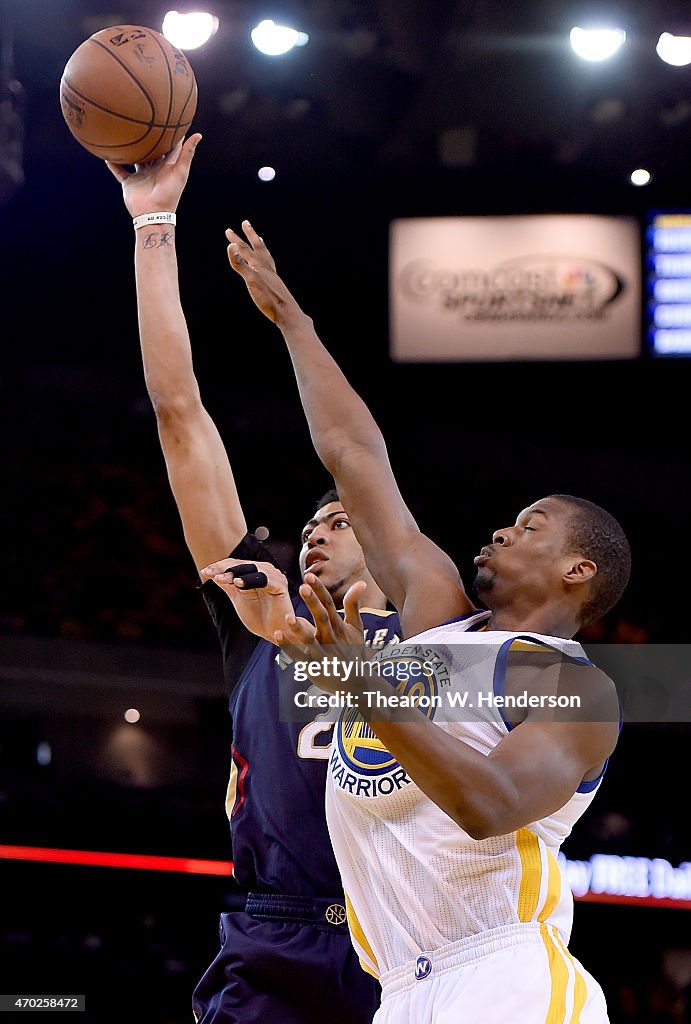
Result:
x=533 y=512
x=329 y=515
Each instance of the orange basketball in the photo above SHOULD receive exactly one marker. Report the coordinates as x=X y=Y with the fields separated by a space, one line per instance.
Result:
x=127 y=94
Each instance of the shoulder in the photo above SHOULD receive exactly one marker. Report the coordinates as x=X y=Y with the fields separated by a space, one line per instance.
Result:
x=567 y=681
x=378 y=613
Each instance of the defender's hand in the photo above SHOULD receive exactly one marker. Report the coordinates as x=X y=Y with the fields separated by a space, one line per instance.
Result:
x=330 y=637
x=259 y=593
x=255 y=265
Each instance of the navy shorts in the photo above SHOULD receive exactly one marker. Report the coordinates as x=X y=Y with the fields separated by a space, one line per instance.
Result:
x=286 y=960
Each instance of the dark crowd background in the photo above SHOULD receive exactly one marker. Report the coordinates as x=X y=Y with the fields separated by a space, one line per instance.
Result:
x=93 y=557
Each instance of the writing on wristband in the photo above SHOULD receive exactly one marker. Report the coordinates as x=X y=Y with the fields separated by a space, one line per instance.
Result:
x=153 y=218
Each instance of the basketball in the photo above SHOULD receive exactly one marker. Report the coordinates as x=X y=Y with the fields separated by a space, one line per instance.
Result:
x=128 y=95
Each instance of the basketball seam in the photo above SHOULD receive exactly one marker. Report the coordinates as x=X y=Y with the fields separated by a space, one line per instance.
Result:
x=142 y=159
x=109 y=110
x=132 y=76
x=119 y=145
x=184 y=106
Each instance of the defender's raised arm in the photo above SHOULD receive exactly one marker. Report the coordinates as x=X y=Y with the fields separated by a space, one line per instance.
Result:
x=419 y=578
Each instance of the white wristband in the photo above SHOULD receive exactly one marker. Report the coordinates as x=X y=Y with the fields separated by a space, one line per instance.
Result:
x=153 y=218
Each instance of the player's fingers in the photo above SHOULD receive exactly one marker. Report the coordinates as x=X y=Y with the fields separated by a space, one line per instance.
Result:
x=292 y=650
x=233 y=236
x=245 y=576
x=118 y=171
x=318 y=611
x=172 y=158
x=151 y=165
x=326 y=631
x=237 y=241
x=209 y=571
x=295 y=651
x=324 y=598
x=255 y=240
x=241 y=242
x=238 y=252
x=236 y=258
x=258 y=244
x=241 y=569
x=167 y=158
x=305 y=629
x=183 y=154
x=352 y=603
x=252 y=581
x=298 y=630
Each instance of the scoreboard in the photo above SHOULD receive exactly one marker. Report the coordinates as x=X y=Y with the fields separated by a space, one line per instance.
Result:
x=668 y=283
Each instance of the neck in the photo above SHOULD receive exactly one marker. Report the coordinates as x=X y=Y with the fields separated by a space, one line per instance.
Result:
x=549 y=622
x=374 y=596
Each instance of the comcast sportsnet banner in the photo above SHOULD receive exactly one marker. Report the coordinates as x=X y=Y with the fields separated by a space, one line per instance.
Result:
x=564 y=286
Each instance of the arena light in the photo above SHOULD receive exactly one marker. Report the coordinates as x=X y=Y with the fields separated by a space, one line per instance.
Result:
x=596 y=44
x=44 y=753
x=641 y=176
x=190 y=30
x=675 y=50
x=275 y=40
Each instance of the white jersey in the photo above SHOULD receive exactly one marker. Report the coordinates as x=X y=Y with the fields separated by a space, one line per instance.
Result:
x=414 y=879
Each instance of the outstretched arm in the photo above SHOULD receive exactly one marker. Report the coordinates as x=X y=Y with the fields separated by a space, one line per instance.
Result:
x=419 y=578
x=198 y=467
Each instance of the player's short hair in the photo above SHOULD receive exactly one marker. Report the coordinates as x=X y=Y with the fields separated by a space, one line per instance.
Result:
x=596 y=534
x=326 y=499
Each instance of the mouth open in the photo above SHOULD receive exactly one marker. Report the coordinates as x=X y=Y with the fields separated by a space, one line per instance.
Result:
x=315 y=560
x=484 y=556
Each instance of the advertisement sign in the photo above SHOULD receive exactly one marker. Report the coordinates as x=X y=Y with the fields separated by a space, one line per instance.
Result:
x=541 y=287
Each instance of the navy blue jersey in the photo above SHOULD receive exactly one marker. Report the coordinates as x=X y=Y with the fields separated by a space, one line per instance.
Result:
x=280 y=842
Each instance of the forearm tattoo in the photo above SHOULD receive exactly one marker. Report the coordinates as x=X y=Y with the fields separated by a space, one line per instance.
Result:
x=157 y=239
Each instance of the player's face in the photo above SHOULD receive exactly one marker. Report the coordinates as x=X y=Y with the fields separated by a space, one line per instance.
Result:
x=528 y=558
x=330 y=550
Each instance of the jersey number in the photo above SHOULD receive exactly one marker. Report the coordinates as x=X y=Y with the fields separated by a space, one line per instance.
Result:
x=314 y=741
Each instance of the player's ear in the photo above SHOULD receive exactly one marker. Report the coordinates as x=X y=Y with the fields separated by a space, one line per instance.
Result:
x=580 y=570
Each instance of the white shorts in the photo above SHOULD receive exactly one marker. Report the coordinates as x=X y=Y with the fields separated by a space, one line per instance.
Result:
x=520 y=974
